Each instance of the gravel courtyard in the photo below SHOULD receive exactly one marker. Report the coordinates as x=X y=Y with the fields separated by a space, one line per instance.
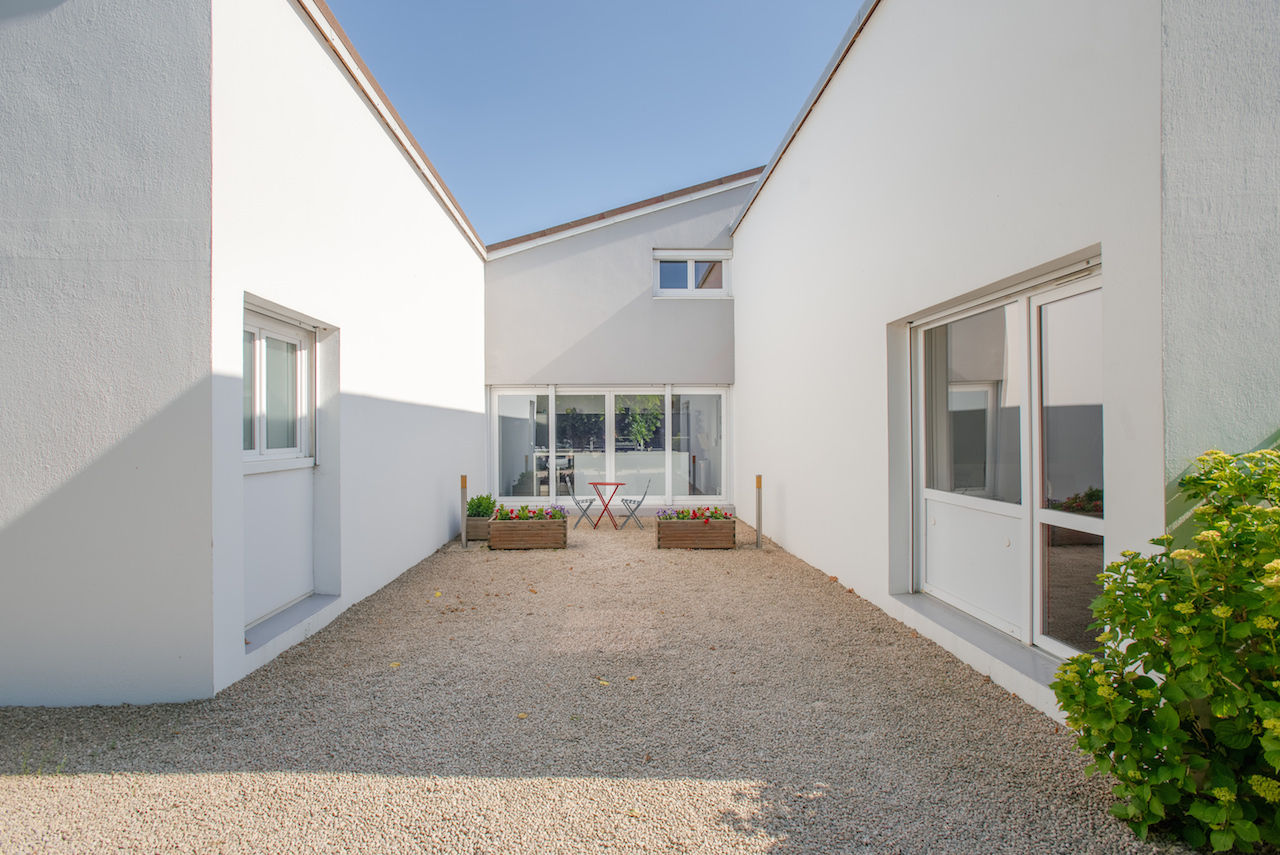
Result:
x=607 y=697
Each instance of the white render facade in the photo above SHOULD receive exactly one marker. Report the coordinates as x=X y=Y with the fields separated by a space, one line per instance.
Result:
x=1040 y=254
x=1008 y=273
x=219 y=433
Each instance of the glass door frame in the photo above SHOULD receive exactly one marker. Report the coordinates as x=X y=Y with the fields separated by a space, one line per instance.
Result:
x=1030 y=297
x=1020 y=511
x=1043 y=516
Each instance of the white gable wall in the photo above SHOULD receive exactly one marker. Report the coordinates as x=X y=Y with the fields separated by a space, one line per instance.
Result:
x=104 y=336
x=317 y=208
x=956 y=146
x=580 y=309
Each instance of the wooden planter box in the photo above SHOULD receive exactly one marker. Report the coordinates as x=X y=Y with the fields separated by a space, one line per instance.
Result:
x=528 y=534
x=478 y=528
x=697 y=534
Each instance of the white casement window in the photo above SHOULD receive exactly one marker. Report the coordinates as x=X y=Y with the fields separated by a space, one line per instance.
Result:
x=691 y=273
x=279 y=390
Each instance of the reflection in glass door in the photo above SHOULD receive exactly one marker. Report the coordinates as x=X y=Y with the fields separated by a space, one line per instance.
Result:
x=971 y=522
x=640 y=442
x=581 y=442
x=1070 y=499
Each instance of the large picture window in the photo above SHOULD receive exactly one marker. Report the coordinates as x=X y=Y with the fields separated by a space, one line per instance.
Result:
x=666 y=442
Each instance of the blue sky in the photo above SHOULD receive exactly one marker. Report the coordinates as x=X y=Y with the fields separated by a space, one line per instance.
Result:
x=536 y=113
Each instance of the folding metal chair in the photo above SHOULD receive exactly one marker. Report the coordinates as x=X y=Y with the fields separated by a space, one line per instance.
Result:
x=582 y=508
x=633 y=505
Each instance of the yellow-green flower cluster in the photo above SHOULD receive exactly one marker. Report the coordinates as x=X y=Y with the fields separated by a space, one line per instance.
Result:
x=1187 y=608
x=1185 y=630
x=1222 y=794
x=1186 y=554
x=1265 y=623
x=1106 y=692
x=1272 y=724
x=1222 y=612
x=1105 y=637
x=1147 y=694
x=1211 y=535
x=1268 y=788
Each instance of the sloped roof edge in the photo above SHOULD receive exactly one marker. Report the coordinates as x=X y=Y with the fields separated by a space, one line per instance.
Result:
x=846 y=44
x=633 y=208
x=326 y=23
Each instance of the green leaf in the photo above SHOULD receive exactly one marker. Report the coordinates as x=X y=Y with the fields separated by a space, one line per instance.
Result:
x=1233 y=734
x=1223 y=706
x=1166 y=718
x=1246 y=831
x=1222 y=840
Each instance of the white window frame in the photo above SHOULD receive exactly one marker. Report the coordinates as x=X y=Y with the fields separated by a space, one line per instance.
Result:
x=1029 y=296
x=659 y=492
x=689 y=256
x=302 y=455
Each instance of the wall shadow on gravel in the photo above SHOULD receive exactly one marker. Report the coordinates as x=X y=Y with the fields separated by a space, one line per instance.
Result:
x=839 y=728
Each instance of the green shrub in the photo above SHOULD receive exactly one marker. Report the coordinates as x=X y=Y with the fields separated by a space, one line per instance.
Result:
x=1182 y=702
x=480 y=506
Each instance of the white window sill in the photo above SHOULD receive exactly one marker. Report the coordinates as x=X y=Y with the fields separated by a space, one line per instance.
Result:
x=675 y=294
x=280 y=464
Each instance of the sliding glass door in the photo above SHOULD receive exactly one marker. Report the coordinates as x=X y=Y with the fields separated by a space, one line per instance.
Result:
x=1009 y=468
x=664 y=442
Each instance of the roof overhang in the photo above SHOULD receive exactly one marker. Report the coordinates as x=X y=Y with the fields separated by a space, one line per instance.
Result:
x=626 y=212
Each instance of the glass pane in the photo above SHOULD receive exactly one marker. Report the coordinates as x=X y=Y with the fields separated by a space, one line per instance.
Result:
x=1072 y=562
x=281 y=394
x=640 y=443
x=673 y=274
x=973 y=401
x=580 y=441
x=1071 y=401
x=249 y=381
x=707 y=274
x=697 y=445
x=523 y=468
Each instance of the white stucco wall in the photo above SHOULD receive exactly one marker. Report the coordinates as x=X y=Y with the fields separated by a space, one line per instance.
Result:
x=581 y=309
x=956 y=146
x=104 y=330
x=318 y=209
x=1221 y=250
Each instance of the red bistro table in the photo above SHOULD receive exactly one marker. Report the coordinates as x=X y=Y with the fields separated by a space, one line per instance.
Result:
x=596 y=485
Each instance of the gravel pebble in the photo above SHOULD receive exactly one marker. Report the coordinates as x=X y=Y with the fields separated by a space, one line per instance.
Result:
x=770 y=711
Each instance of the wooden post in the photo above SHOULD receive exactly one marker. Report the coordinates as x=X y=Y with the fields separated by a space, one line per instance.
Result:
x=464 y=511
x=759 y=509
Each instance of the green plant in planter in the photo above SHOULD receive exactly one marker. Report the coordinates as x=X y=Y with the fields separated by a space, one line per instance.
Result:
x=1182 y=702
x=480 y=506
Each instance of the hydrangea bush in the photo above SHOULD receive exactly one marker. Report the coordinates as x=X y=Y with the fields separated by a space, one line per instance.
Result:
x=1181 y=703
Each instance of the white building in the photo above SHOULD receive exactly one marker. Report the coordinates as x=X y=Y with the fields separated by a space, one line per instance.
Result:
x=1004 y=278
x=609 y=351
x=1036 y=257
x=192 y=194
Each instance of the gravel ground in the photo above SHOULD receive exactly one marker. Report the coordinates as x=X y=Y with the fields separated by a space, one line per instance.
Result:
x=605 y=697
